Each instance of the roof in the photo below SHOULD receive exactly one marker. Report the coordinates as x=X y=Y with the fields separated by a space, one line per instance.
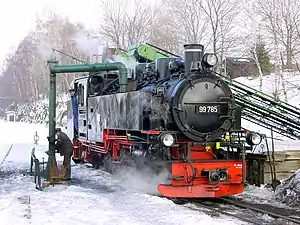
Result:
x=10 y=112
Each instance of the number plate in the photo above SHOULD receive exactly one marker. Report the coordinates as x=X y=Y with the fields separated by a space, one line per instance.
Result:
x=207 y=109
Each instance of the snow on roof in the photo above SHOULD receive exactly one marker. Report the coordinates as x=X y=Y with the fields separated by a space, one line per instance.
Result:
x=10 y=112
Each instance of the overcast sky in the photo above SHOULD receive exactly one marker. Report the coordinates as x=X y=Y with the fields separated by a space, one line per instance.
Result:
x=17 y=17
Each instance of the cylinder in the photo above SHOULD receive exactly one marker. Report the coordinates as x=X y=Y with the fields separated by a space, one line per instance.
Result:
x=193 y=54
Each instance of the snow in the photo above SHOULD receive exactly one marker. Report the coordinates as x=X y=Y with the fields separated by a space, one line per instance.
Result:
x=21 y=135
x=286 y=195
x=288 y=192
x=261 y=195
x=94 y=196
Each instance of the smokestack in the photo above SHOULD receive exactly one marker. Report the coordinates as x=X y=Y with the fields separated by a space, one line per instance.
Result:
x=193 y=54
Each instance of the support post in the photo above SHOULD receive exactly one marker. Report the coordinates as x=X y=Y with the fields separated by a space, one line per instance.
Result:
x=31 y=165
x=51 y=169
x=244 y=165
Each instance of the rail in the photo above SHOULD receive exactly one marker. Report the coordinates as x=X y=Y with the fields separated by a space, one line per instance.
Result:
x=270 y=210
x=244 y=211
x=35 y=169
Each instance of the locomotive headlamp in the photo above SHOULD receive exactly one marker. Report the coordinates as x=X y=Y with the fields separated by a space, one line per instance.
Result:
x=210 y=59
x=253 y=138
x=218 y=175
x=214 y=176
x=167 y=139
x=223 y=175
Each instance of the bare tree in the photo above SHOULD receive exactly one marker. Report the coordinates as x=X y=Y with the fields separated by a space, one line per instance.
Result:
x=26 y=69
x=251 y=23
x=127 y=23
x=281 y=19
x=188 y=19
x=255 y=56
x=164 y=33
x=221 y=17
x=60 y=33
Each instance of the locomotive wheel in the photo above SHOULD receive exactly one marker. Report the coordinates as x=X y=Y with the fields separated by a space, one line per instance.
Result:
x=109 y=166
x=77 y=161
x=178 y=201
x=97 y=161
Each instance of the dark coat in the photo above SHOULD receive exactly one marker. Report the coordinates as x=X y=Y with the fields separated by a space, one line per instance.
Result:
x=64 y=145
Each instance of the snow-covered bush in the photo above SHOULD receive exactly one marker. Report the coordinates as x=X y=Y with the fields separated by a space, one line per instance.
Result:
x=38 y=112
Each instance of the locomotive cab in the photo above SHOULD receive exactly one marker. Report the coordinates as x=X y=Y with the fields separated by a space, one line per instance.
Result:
x=98 y=83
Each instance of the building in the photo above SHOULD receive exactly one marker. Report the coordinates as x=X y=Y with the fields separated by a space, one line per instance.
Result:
x=11 y=116
x=240 y=67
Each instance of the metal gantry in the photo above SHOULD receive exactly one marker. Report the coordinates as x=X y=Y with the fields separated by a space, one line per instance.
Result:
x=266 y=111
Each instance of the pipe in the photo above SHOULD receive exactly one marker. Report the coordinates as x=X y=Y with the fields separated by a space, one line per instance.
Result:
x=77 y=68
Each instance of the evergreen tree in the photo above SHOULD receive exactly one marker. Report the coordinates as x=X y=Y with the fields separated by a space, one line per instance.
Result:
x=263 y=55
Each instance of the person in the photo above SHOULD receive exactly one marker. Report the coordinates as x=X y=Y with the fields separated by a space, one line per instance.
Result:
x=74 y=98
x=64 y=146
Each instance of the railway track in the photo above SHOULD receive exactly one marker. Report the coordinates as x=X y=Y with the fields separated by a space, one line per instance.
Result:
x=281 y=214
x=252 y=213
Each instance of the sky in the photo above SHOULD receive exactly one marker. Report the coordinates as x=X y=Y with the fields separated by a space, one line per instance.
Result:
x=17 y=17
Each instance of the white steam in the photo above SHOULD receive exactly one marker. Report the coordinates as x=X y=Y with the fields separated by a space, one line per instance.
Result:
x=142 y=180
x=128 y=62
x=88 y=45
x=45 y=50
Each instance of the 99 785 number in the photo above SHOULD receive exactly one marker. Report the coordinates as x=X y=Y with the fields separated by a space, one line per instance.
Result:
x=208 y=109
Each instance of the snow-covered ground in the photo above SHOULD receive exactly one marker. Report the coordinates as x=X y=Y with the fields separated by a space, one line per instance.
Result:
x=94 y=196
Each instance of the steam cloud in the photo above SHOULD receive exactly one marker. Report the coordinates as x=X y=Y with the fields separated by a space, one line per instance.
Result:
x=86 y=44
x=129 y=63
x=142 y=180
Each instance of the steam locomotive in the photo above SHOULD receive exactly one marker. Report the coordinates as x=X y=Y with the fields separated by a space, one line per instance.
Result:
x=176 y=114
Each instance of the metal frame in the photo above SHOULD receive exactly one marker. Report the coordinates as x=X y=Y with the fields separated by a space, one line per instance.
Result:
x=36 y=172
